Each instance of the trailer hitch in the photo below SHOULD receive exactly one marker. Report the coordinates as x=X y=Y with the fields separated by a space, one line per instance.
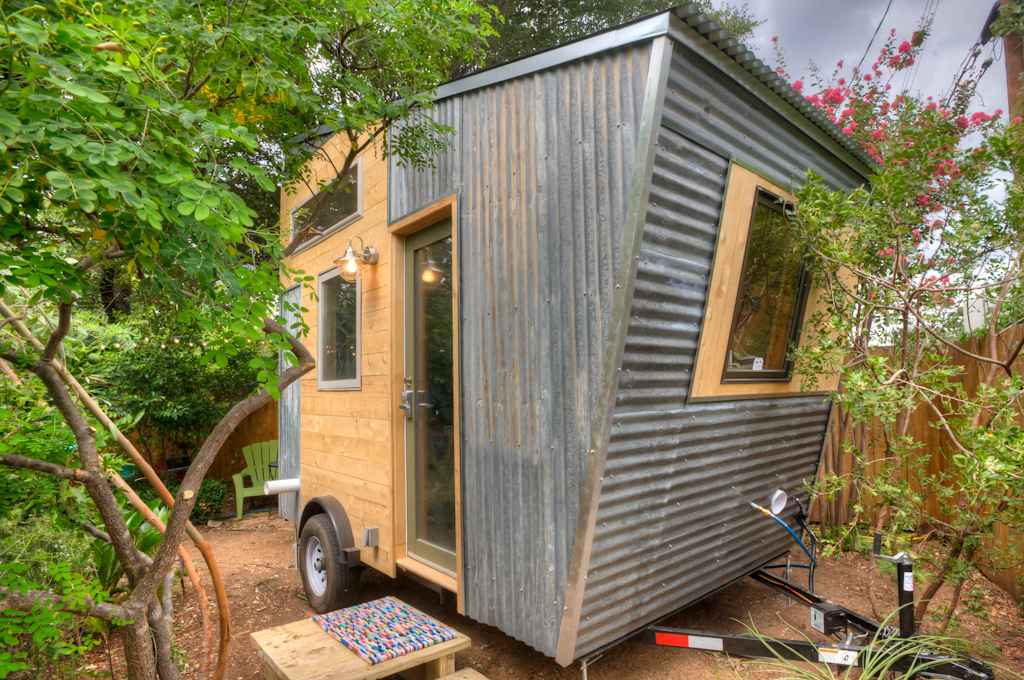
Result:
x=891 y=653
x=877 y=645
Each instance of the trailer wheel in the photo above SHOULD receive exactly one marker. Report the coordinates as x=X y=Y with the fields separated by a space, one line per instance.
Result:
x=328 y=583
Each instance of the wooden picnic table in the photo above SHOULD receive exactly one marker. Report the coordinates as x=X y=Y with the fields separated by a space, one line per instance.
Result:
x=304 y=651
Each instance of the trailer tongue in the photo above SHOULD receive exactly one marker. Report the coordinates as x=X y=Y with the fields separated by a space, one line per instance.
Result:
x=863 y=643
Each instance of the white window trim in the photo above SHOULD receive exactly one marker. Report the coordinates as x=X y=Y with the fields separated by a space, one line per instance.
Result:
x=357 y=215
x=338 y=385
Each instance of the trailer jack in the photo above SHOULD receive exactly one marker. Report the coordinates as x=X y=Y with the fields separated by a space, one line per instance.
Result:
x=863 y=642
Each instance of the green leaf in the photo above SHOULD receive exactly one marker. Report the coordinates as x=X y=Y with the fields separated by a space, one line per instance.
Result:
x=9 y=125
x=58 y=180
x=186 y=208
x=201 y=212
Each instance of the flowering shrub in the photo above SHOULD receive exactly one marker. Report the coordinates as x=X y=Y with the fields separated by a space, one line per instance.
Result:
x=898 y=261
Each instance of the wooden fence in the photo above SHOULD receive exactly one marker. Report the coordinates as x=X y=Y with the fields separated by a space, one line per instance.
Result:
x=259 y=426
x=863 y=438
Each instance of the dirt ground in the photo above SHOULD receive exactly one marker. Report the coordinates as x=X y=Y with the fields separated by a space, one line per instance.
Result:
x=263 y=593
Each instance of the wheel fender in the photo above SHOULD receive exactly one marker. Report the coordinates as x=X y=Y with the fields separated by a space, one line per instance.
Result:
x=335 y=511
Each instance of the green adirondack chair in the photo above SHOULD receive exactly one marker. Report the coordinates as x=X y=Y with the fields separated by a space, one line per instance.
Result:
x=257 y=459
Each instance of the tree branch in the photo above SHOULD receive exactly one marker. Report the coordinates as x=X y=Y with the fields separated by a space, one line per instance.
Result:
x=84 y=606
x=24 y=463
x=187 y=493
x=59 y=333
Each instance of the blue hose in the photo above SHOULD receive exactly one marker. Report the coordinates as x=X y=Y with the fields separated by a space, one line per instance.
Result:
x=791 y=532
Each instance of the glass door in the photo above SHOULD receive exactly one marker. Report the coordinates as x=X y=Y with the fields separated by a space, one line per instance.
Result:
x=429 y=397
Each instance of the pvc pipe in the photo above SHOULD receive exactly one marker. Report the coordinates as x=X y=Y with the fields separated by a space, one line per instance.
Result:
x=275 y=486
x=777 y=503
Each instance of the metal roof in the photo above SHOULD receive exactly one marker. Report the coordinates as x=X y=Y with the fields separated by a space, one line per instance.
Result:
x=649 y=27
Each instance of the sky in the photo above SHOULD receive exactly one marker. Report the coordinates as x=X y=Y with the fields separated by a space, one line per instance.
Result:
x=826 y=31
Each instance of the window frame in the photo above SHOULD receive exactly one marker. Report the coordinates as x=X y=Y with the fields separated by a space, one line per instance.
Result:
x=350 y=384
x=705 y=373
x=771 y=201
x=357 y=168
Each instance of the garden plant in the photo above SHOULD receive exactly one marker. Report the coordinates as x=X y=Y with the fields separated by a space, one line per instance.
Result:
x=131 y=135
x=939 y=232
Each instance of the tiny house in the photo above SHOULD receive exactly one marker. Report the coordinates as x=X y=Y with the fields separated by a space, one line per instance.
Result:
x=563 y=379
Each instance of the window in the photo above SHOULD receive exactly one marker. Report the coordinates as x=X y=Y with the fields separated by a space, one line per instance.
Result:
x=338 y=203
x=772 y=293
x=338 y=333
x=757 y=295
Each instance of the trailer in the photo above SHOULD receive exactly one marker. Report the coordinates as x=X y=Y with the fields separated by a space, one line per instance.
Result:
x=552 y=374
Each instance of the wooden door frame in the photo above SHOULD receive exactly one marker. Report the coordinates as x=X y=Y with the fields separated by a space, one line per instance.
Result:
x=445 y=208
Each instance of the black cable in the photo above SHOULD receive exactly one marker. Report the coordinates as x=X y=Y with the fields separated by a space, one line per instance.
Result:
x=870 y=42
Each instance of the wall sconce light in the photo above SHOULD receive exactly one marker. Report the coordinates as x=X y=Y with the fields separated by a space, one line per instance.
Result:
x=430 y=274
x=350 y=264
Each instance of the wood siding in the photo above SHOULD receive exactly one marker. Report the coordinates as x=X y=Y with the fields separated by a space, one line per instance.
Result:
x=347 y=447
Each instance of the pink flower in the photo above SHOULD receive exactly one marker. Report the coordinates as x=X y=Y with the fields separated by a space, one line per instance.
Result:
x=799 y=85
x=833 y=96
x=840 y=64
x=867 y=76
x=1018 y=120
x=775 y=38
x=847 y=130
x=963 y=122
x=905 y=47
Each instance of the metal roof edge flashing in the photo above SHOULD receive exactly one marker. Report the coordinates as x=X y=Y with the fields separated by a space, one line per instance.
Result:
x=687 y=25
x=643 y=29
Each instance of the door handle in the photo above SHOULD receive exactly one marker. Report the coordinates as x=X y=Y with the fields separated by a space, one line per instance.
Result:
x=406 y=404
x=407 y=393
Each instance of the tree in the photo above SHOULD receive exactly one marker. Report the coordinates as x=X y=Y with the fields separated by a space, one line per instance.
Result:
x=120 y=135
x=900 y=261
x=530 y=27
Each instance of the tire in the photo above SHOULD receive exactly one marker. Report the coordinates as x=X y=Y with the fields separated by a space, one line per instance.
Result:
x=329 y=584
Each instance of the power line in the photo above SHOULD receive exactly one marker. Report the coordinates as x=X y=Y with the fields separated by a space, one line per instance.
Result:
x=920 y=57
x=870 y=42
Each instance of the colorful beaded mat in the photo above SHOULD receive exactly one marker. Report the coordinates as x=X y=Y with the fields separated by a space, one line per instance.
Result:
x=383 y=629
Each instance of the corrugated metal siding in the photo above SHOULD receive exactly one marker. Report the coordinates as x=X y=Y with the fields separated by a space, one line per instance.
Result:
x=409 y=190
x=672 y=276
x=674 y=522
x=289 y=411
x=546 y=165
x=710 y=108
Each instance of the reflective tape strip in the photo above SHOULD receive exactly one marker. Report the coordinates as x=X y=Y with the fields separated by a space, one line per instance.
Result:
x=840 y=657
x=689 y=641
